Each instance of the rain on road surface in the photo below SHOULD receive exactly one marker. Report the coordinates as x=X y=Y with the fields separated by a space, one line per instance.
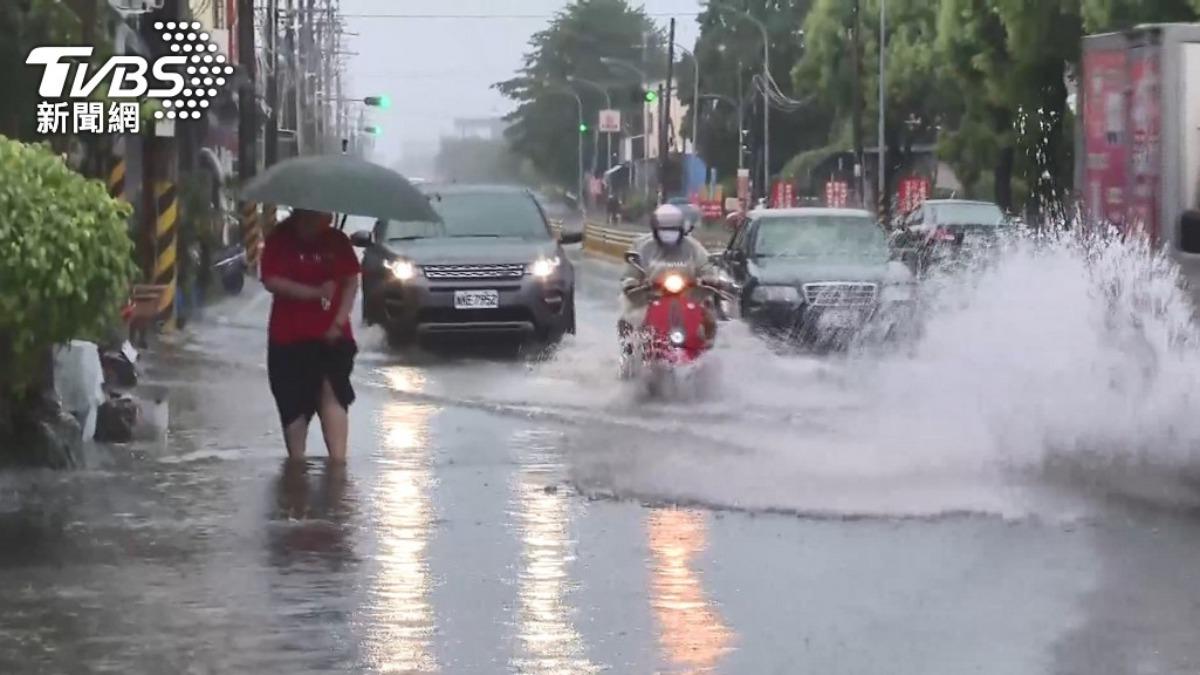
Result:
x=501 y=516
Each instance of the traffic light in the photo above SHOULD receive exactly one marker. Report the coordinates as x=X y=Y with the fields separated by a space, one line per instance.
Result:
x=583 y=127
x=640 y=95
x=383 y=102
x=373 y=130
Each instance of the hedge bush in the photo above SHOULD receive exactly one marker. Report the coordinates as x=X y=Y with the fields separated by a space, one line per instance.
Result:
x=66 y=257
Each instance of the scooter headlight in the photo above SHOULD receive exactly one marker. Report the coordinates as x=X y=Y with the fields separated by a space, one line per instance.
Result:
x=674 y=283
x=677 y=338
x=402 y=270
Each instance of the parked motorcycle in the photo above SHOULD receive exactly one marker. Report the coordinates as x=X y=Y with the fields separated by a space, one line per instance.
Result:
x=230 y=267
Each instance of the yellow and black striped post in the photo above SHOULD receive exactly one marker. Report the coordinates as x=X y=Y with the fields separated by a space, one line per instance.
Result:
x=251 y=232
x=268 y=220
x=116 y=181
x=166 y=244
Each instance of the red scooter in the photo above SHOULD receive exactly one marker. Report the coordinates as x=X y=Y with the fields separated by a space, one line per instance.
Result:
x=680 y=324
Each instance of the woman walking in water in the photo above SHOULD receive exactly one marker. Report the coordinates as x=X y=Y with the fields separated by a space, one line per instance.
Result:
x=312 y=271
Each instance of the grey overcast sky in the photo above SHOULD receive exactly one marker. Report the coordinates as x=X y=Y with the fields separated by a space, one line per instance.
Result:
x=438 y=67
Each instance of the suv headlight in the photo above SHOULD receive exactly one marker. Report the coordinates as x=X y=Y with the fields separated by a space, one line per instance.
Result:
x=402 y=270
x=544 y=267
x=788 y=294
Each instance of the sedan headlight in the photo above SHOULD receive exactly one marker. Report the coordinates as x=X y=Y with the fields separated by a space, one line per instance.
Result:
x=544 y=267
x=788 y=294
x=402 y=270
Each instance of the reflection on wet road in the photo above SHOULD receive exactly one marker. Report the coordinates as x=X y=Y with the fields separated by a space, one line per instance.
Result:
x=691 y=629
x=549 y=641
x=399 y=615
x=500 y=516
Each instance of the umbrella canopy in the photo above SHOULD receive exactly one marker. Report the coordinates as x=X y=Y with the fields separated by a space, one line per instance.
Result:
x=340 y=184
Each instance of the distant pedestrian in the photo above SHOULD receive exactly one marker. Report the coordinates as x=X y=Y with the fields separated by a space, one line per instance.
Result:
x=614 y=208
x=312 y=271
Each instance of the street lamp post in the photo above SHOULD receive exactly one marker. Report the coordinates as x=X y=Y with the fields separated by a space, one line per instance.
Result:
x=695 y=95
x=642 y=80
x=766 y=87
x=608 y=134
x=578 y=135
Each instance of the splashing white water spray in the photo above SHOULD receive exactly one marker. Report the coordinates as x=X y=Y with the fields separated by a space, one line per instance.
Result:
x=1057 y=350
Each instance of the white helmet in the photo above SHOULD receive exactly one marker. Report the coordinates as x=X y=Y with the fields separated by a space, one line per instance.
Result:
x=668 y=224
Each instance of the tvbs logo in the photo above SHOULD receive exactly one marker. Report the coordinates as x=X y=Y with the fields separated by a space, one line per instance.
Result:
x=185 y=81
x=126 y=75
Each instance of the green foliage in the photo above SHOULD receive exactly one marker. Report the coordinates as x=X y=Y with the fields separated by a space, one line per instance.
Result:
x=1107 y=15
x=545 y=125
x=67 y=257
x=730 y=51
x=916 y=90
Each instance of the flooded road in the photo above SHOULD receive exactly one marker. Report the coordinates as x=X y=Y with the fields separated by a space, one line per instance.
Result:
x=498 y=515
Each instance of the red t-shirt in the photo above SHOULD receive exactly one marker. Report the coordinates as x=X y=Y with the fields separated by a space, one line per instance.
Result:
x=328 y=257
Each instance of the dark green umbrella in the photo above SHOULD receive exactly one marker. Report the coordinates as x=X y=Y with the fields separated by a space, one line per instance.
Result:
x=340 y=184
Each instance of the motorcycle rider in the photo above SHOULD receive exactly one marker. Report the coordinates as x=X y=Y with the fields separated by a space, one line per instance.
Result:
x=666 y=246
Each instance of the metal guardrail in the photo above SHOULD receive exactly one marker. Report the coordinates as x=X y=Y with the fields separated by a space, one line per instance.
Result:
x=606 y=235
x=610 y=241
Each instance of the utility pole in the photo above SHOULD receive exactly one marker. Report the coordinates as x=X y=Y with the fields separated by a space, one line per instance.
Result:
x=665 y=121
x=860 y=172
x=883 y=194
x=292 y=104
x=271 y=149
x=247 y=106
x=304 y=88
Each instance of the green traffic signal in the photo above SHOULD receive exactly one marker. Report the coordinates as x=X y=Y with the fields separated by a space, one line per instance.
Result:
x=383 y=102
x=583 y=128
x=651 y=96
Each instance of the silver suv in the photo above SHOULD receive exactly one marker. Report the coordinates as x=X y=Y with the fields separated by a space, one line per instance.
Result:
x=492 y=267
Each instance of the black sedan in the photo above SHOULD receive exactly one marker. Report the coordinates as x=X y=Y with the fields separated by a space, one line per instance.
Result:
x=816 y=275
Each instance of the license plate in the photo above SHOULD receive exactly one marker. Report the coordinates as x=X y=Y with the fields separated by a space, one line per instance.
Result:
x=476 y=299
x=839 y=318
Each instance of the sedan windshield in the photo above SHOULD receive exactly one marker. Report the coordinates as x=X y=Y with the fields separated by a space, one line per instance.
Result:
x=845 y=238
x=965 y=214
x=490 y=214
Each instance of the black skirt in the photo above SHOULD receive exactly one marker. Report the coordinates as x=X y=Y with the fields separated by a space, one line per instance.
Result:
x=297 y=370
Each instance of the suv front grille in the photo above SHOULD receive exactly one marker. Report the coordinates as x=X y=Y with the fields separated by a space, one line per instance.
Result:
x=840 y=294
x=455 y=272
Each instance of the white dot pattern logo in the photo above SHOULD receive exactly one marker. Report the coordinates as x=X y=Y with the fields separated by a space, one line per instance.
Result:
x=205 y=68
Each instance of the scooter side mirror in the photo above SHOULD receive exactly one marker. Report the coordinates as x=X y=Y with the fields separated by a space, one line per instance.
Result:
x=634 y=261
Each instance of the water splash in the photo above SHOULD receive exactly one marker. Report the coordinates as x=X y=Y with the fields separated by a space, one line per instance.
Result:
x=1060 y=352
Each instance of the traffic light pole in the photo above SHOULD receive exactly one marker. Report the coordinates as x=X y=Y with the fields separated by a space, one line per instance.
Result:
x=578 y=134
x=608 y=104
x=665 y=118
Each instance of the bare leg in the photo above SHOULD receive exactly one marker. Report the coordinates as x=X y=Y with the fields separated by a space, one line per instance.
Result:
x=335 y=423
x=295 y=435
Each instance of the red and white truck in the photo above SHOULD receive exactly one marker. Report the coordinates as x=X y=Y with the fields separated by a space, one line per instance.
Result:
x=1138 y=164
